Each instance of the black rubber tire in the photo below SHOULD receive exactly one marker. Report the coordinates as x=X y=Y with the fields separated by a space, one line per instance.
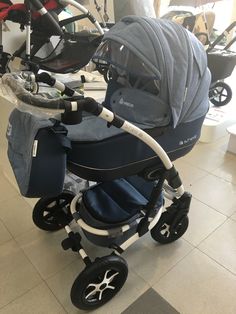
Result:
x=226 y=92
x=92 y=274
x=166 y=220
x=49 y=221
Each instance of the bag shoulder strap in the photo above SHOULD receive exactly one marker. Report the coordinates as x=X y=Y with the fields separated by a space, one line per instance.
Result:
x=61 y=132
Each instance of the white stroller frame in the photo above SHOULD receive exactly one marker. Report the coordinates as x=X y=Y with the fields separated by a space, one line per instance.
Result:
x=85 y=11
x=169 y=193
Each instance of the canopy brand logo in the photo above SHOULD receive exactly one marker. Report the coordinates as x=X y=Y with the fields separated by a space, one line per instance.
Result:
x=9 y=129
x=187 y=140
x=125 y=103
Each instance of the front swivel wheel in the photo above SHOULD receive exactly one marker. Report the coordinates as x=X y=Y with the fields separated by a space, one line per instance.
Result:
x=163 y=231
x=99 y=282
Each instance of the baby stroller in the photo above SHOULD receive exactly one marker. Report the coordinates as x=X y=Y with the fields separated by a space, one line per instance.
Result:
x=221 y=62
x=21 y=13
x=148 y=119
x=72 y=50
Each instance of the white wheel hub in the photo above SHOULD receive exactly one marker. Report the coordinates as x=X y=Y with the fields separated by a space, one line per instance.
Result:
x=102 y=286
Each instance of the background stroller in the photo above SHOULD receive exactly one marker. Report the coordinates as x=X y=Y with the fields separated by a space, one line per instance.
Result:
x=221 y=62
x=72 y=51
x=124 y=157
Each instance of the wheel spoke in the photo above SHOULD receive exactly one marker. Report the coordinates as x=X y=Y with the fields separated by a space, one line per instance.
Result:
x=52 y=204
x=91 y=293
x=105 y=276
x=48 y=216
x=63 y=203
x=100 y=295
x=220 y=89
x=165 y=230
x=110 y=287
x=110 y=279
x=92 y=285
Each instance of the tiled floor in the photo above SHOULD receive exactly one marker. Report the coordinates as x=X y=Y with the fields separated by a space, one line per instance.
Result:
x=195 y=275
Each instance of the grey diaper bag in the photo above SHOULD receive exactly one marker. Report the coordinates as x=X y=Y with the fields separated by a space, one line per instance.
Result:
x=37 y=151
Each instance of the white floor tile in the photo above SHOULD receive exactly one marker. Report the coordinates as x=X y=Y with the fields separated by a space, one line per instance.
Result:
x=221 y=245
x=227 y=170
x=216 y=193
x=188 y=173
x=39 y=300
x=45 y=252
x=151 y=260
x=17 y=274
x=205 y=158
x=203 y=220
x=16 y=215
x=233 y=216
x=7 y=191
x=4 y=234
x=199 y=285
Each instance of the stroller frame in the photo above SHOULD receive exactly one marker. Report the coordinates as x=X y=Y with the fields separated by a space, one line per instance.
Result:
x=174 y=221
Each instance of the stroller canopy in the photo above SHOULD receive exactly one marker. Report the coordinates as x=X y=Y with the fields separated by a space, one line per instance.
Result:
x=167 y=54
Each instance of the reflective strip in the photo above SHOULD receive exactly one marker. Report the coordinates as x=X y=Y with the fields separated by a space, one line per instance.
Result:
x=42 y=11
x=74 y=106
x=60 y=86
x=82 y=253
x=68 y=229
x=35 y=148
x=106 y=115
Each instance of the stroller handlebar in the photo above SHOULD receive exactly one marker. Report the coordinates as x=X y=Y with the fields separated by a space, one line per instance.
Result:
x=69 y=105
x=17 y=86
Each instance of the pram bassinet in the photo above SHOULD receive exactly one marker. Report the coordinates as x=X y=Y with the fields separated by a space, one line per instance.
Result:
x=174 y=109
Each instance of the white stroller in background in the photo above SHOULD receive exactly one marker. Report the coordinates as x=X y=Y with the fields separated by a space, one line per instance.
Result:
x=156 y=101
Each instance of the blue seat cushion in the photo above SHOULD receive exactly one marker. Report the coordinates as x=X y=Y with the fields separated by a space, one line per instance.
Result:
x=119 y=200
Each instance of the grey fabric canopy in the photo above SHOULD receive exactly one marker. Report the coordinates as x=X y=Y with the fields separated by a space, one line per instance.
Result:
x=174 y=57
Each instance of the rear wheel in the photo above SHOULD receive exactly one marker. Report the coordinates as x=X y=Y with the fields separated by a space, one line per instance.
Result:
x=99 y=282
x=220 y=94
x=53 y=213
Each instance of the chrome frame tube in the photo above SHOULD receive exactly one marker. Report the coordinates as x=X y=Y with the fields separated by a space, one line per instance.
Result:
x=83 y=10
